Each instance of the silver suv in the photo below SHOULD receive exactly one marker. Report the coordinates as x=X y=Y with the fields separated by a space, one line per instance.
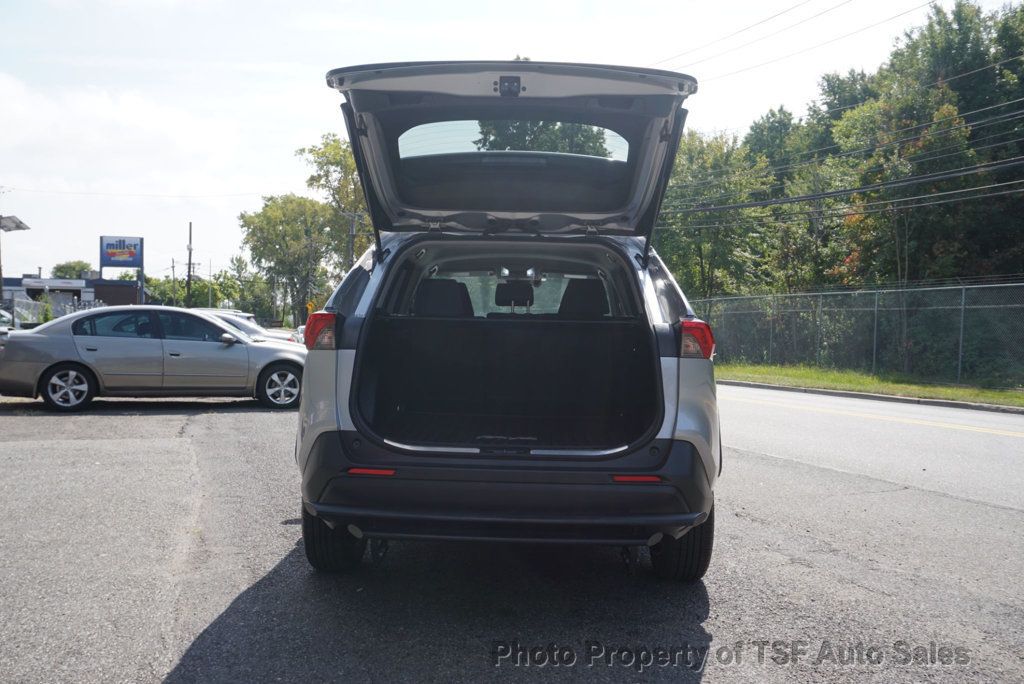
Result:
x=511 y=360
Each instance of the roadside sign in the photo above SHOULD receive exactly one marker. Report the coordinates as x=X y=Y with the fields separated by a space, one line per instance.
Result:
x=120 y=252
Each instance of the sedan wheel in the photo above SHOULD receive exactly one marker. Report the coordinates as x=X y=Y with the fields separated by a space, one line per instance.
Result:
x=280 y=386
x=67 y=388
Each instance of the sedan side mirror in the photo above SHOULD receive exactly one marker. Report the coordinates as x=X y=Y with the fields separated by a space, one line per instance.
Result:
x=228 y=338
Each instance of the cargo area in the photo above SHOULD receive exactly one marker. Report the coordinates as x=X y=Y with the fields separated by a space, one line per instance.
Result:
x=509 y=349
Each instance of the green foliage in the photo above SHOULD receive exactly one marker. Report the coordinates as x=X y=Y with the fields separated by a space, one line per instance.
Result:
x=249 y=291
x=904 y=120
x=70 y=269
x=334 y=176
x=47 y=313
x=707 y=258
x=541 y=136
x=291 y=242
x=829 y=378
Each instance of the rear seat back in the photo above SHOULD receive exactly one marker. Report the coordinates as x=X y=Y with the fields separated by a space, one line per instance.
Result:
x=584 y=300
x=442 y=298
x=514 y=293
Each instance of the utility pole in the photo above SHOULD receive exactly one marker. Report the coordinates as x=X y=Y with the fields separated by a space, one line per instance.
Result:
x=309 y=271
x=188 y=278
x=209 y=288
x=174 y=285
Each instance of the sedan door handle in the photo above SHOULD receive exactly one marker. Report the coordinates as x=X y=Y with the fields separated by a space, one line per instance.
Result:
x=90 y=349
x=174 y=353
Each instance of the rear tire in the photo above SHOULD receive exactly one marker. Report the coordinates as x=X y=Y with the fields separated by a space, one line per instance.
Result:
x=67 y=387
x=685 y=559
x=279 y=386
x=330 y=550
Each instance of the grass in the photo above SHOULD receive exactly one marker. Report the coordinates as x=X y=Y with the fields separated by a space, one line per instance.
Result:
x=807 y=376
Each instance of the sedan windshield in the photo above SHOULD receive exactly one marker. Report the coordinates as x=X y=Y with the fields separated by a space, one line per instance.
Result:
x=248 y=327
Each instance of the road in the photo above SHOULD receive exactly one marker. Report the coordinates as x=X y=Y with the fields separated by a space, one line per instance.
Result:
x=156 y=540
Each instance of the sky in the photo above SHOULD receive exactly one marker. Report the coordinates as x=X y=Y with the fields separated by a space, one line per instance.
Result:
x=134 y=117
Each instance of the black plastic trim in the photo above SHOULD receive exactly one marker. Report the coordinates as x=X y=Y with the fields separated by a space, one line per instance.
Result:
x=521 y=498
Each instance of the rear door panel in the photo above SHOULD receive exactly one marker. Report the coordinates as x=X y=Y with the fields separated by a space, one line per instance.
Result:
x=123 y=348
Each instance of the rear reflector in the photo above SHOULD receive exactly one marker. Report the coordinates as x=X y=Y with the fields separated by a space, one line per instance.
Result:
x=695 y=339
x=636 y=478
x=371 y=471
x=320 y=330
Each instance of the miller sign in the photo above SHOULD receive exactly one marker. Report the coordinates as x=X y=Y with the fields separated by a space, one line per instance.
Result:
x=120 y=252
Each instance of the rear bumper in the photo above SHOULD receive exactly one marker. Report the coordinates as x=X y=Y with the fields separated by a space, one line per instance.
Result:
x=554 y=500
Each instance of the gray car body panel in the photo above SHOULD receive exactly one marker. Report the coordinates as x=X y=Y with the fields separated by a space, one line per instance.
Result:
x=26 y=355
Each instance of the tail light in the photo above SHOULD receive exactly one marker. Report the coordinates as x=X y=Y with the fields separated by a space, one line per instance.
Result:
x=320 y=330
x=695 y=339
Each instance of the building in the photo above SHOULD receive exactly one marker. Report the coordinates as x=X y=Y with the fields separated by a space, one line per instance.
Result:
x=69 y=291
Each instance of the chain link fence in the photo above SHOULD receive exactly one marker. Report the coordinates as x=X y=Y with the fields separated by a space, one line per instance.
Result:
x=972 y=335
x=28 y=313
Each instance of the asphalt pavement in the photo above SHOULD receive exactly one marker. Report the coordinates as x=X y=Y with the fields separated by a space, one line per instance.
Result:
x=159 y=540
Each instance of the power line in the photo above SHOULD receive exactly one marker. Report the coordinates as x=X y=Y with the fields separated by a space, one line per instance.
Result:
x=898 y=200
x=822 y=44
x=974 y=125
x=940 y=81
x=765 y=37
x=734 y=33
x=911 y=180
x=793 y=216
x=913 y=159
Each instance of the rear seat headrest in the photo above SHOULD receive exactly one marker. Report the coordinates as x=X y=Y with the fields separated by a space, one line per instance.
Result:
x=584 y=299
x=514 y=293
x=442 y=297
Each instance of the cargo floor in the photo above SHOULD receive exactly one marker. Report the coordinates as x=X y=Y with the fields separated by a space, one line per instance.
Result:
x=587 y=432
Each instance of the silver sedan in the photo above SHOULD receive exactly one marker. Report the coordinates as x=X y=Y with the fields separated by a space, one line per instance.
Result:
x=146 y=351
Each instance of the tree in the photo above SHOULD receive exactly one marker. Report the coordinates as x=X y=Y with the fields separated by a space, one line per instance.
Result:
x=541 y=136
x=712 y=253
x=909 y=118
x=769 y=137
x=250 y=291
x=291 y=244
x=334 y=175
x=70 y=269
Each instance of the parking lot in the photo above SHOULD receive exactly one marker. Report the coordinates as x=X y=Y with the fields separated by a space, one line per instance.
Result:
x=159 y=540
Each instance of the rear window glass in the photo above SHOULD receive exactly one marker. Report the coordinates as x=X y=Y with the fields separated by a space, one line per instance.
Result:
x=547 y=293
x=517 y=135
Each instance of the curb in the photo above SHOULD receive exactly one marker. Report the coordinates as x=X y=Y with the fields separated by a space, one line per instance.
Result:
x=948 y=403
